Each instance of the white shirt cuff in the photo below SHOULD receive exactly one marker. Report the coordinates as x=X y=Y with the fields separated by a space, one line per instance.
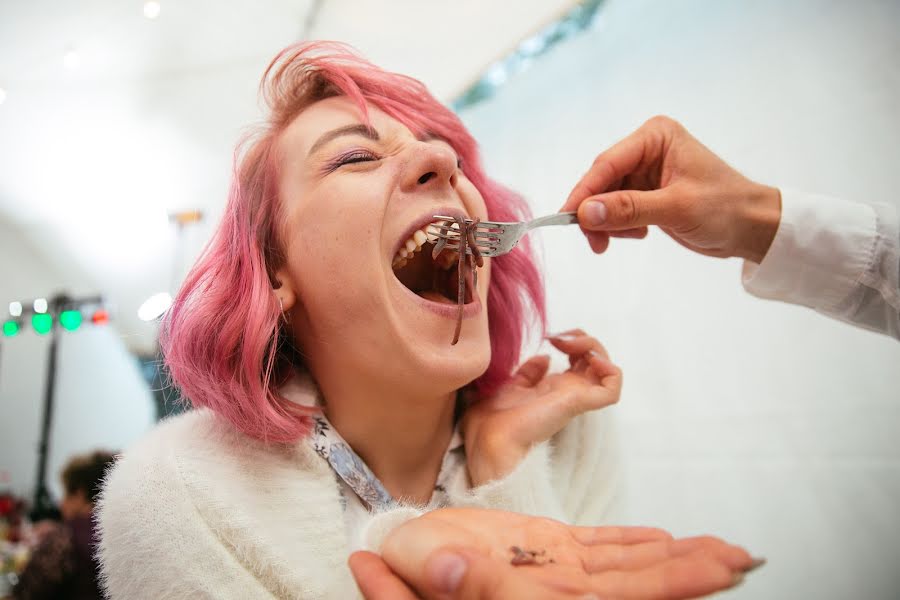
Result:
x=822 y=247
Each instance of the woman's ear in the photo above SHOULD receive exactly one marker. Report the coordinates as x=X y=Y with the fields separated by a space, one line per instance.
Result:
x=284 y=290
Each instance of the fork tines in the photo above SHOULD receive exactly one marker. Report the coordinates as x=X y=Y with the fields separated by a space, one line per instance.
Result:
x=484 y=229
x=448 y=222
x=453 y=234
x=486 y=234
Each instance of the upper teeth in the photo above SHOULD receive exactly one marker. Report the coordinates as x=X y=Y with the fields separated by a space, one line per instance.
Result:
x=414 y=244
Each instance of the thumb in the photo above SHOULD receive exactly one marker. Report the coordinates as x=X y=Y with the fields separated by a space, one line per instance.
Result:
x=375 y=579
x=468 y=574
x=628 y=209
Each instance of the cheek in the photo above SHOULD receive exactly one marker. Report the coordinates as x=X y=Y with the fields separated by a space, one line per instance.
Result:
x=334 y=271
x=333 y=260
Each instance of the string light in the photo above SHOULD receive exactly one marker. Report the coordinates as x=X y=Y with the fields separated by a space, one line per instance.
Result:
x=10 y=328
x=69 y=313
x=70 y=319
x=151 y=9
x=42 y=323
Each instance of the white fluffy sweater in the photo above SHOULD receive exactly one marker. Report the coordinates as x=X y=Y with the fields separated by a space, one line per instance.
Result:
x=198 y=510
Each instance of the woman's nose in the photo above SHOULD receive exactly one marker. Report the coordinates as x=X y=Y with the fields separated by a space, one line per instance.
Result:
x=429 y=167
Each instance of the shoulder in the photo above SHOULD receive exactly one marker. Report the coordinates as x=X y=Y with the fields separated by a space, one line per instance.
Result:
x=192 y=431
x=152 y=460
x=192 y=496
x=190 y=448
x=147 y=475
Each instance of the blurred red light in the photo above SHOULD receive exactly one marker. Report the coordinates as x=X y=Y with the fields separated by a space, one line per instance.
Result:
x=100 y=317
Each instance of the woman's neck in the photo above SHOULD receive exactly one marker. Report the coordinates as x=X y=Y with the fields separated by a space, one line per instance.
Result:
x=401 y=436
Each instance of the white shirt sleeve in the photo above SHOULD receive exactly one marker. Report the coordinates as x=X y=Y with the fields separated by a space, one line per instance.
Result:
x=840 y=258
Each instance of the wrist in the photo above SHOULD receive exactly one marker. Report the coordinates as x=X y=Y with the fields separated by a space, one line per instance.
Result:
x=758 y=220
x=492 y=464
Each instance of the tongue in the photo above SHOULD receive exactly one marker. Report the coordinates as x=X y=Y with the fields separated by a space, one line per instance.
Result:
x=436 y=297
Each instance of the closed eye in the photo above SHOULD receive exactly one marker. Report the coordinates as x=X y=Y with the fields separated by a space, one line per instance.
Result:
x=349 y=158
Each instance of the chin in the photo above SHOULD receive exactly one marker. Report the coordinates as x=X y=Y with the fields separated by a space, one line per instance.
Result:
x=445 y=368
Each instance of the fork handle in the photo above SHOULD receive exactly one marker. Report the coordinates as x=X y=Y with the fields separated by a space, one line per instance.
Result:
x=566 y=218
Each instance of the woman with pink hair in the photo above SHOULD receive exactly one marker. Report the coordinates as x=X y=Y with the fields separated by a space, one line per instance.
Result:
x=313 y=338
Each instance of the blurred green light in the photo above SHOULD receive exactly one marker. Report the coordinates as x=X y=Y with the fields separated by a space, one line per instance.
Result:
x=42 y=323
x=70 y=319
x=10 y=328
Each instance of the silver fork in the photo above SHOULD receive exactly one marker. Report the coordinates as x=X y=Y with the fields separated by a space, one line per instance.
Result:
x=496 y=239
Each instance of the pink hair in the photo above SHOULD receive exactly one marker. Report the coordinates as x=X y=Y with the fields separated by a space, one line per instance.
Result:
x=222 y=338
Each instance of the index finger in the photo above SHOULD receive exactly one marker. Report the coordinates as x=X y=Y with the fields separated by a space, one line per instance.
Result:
x=614 y=165
x=679 y=577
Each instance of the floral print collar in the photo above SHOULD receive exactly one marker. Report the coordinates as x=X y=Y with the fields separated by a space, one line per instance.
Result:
x=351 y=469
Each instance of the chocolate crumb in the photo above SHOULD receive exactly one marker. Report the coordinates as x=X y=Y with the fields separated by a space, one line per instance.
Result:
x=527 y=557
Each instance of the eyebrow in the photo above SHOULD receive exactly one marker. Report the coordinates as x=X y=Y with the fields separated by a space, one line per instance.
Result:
x=358 y=129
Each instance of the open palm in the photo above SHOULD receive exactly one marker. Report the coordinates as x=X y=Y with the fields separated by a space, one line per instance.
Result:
x=510 y=555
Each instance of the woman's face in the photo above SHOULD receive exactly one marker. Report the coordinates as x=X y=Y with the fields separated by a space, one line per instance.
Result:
x=353 y=197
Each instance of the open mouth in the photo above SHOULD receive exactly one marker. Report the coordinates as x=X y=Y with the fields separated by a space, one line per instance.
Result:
x=433 y=278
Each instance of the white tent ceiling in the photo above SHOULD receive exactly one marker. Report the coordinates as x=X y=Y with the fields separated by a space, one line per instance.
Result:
x=93 y=159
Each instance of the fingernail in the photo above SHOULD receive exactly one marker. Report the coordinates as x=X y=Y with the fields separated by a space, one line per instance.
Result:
x=446 y=571
x=561 y=336
x=595 y=213
x=757 y=563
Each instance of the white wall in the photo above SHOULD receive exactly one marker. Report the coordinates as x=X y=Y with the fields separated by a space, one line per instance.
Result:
x=765 y=423
x=101 y=401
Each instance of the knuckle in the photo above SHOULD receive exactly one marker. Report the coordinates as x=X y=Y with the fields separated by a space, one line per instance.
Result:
x=627 y=208
x=662 y=122
x=658 y=121
x=604 y=168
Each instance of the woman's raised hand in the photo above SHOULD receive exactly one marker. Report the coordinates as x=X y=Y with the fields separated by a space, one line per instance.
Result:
x=469 y=554
x=536 y=405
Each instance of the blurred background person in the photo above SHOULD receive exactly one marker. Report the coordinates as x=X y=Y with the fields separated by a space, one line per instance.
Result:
x=62 y=564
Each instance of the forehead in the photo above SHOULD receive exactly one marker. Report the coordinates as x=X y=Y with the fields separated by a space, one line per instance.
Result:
x=333 y=113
